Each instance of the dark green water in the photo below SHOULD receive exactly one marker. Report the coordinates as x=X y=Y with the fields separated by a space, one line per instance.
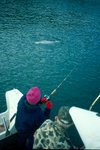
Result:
x=71 y=29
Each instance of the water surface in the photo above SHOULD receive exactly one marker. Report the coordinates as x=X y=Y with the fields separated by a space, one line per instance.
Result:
x=42 y=41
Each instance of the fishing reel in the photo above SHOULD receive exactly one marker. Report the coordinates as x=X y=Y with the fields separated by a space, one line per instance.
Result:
x=44 y=99
x=47 y=97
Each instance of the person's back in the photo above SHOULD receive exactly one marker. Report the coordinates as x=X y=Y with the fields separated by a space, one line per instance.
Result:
x=51 y=135
x=29 y=117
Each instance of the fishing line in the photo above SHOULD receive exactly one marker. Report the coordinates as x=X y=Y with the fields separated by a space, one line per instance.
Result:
x=48 y=97
x=63 y=80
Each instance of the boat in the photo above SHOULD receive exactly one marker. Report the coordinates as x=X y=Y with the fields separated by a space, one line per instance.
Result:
x=8 y=131
x=86 y=122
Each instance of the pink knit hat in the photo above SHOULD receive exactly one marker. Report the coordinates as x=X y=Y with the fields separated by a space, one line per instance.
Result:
x=33 y=95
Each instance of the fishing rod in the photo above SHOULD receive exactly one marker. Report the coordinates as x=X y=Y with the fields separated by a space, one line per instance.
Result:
x=54 y=91
x=94 y=102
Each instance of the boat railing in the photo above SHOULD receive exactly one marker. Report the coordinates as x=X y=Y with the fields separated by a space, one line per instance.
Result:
x=4 y=122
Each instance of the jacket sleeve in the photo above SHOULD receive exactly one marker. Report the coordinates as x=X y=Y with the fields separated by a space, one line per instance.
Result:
x=47 y=113
x=37 y=143
x=42 y=116
x=39 y=135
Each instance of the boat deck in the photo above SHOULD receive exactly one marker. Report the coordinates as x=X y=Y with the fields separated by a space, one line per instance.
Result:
x=9 y=143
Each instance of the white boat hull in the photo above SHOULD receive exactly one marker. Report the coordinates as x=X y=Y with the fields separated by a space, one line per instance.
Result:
x=88 y=126
x=7 y=118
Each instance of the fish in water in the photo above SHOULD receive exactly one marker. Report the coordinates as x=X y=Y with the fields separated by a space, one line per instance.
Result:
x=46 y=42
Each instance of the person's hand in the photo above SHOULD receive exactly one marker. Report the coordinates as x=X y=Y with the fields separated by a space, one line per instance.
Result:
x=48 y=105
x=44 y=100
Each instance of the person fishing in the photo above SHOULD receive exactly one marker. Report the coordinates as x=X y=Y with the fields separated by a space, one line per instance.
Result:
x=30 y=116
x=52 y=134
